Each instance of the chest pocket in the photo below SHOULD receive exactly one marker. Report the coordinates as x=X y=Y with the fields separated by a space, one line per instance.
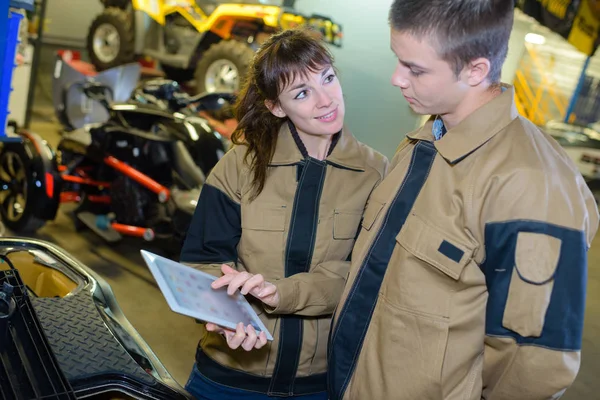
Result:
x=430 y=265
x=346 y=223
x=345 y=228
x=263 y=236
x=264 y=218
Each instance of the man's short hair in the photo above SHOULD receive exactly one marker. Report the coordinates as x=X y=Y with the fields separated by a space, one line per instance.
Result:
x=461 y=30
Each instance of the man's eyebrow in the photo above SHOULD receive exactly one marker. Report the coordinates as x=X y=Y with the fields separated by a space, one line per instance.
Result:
x=410 y=64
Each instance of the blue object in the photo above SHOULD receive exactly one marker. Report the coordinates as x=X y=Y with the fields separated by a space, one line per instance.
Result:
x=8 y=46
x=24 y=4
x=438 y=130
x=577 y=92
x=3 y=31
x=451 y=251
x=103 y=222
x=203 y=388
x=3 y=45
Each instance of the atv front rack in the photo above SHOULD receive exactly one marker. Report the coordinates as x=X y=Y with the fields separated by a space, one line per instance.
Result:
x=79 y=346
x=28 y=367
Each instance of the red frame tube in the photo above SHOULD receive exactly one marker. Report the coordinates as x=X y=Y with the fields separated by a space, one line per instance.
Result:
x=84 y=181
x=74 y=197
x=131 y=230
x=69 y=197
x=63 y=168
x=163 y=193
x=99 y=199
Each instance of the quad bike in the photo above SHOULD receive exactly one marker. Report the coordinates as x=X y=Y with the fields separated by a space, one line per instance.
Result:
x=78 y=112
x=211 y=40
x=132 y=175
x=63 y=335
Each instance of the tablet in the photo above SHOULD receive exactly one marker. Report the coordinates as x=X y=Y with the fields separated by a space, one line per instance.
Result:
x=188 y=292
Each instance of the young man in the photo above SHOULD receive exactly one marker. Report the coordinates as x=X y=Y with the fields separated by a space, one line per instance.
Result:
x=468 y=278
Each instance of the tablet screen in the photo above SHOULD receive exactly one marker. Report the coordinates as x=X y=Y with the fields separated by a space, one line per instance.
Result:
x=188 y=291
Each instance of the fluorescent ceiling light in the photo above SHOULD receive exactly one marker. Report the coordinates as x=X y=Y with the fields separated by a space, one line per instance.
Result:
x=535 y=38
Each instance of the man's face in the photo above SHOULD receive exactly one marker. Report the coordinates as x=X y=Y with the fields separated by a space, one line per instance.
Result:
x=315 y=103
x=428 y=83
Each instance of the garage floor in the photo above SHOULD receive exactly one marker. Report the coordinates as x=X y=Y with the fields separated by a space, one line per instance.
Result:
x=174 y=337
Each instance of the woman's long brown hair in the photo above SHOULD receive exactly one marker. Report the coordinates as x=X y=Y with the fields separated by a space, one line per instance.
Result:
x=283 y=57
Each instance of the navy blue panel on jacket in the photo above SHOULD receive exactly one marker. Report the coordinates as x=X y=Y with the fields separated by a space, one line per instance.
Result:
x=349 y=333
x=215 y=229
x=298 y=257
x=563 y=325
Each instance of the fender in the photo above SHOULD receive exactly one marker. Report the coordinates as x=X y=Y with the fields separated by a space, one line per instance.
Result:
x=43 y=168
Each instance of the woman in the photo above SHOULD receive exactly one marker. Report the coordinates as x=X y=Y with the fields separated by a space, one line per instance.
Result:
x=281 y=210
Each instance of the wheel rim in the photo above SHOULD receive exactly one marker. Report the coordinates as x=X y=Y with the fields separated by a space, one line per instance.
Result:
x=222 y=76
x=106 y=43
x=13 y=186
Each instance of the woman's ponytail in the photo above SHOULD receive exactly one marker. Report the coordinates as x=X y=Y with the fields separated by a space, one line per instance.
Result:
x=258 y=129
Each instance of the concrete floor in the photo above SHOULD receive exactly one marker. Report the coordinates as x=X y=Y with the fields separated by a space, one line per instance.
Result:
x=174 y=337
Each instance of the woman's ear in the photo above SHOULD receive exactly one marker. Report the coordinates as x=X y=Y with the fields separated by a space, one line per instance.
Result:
x=275 y=108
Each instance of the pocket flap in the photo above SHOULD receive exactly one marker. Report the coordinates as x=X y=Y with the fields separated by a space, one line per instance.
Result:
x=346 y=223
x=536 y=257
x=264 y=217
x=431 y=245
x=371 y=212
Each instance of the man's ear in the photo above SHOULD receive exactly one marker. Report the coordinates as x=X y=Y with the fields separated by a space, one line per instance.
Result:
x=275 y=108
x=477 y=71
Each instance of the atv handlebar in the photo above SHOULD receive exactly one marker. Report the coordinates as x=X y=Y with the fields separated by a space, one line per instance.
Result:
x=209 y=101
x=161 y=91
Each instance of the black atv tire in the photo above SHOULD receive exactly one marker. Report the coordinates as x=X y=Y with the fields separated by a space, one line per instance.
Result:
x=122 y=22
x=238 y=53
x=22 y=182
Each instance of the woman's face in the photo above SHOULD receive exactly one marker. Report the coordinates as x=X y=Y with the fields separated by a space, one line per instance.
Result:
x=314 y=103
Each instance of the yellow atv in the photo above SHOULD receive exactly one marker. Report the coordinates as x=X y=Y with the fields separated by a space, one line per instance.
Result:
x=212 y=41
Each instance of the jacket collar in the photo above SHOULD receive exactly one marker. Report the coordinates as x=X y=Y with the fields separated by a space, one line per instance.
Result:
x=346 y=152
x=475 y=130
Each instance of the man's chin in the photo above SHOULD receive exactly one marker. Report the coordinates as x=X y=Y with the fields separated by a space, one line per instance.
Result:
x=418 y=109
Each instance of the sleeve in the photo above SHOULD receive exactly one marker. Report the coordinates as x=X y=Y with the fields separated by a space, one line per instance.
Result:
x=215 y=230
x=537 y=230
x=312 y=293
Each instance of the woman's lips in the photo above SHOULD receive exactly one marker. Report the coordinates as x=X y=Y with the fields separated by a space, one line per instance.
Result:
x=329 y=117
